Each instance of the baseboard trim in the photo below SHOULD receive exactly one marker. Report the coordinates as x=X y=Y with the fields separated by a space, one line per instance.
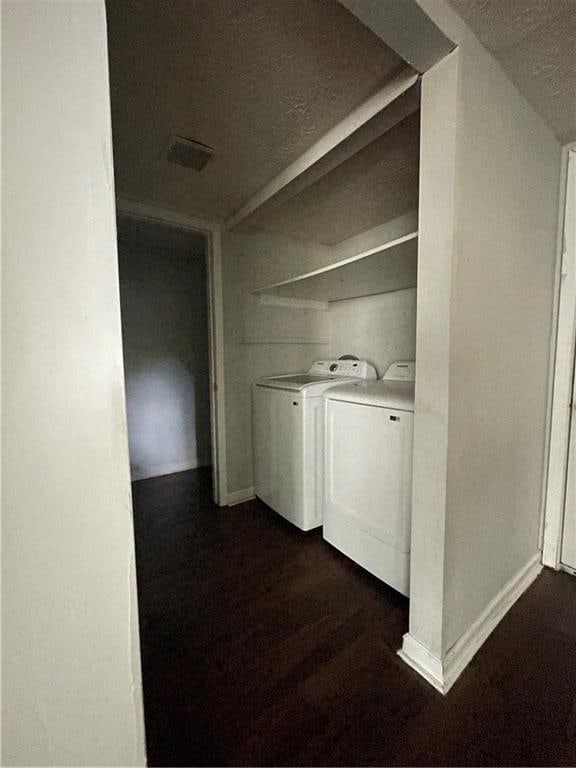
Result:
x=237 y=497
x=417 y=656
x=165 y=469
x=443 y=673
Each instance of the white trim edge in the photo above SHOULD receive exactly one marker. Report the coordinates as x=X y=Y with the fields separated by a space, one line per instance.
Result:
x=560 y=377
x=443 y=673
x=133 y=207
x=237 y=497
x=284 y=340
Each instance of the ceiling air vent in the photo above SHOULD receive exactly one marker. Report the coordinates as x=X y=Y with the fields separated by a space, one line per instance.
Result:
x=188 y=153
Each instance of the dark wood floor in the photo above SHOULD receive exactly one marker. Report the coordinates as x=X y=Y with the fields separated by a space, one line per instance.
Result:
x=262 y=645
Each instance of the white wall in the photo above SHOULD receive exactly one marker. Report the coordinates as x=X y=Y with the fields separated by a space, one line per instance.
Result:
x=434 y=292
x=381 y=328
x=488 y=208
x=71 y=688
x=165 y=339
x=255 y=259
x=508 y=168
x=251 y=260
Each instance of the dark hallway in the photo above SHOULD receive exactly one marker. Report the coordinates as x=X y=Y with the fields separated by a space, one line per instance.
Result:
x=263 y=646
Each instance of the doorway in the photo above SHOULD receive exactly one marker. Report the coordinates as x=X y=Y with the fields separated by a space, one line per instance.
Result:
x=171 y=301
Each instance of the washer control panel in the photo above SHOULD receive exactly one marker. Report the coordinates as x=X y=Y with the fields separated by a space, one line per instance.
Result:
x=360 y=369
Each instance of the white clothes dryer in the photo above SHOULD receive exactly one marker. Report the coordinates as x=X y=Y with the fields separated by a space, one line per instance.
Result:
x=368 y=473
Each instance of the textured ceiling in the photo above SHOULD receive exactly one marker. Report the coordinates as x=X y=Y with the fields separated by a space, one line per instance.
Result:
x=258 y=80
x=535 y=42
x=374 y=186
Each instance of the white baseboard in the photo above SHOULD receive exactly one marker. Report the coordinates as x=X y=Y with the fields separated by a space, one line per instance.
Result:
x=443 y=673
x=237 y=497
x=423 y=661
x=165 y=469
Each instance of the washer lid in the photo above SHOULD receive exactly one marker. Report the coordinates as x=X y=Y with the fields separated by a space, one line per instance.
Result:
x=398 y=395
x=297 y=381
x=322 y=374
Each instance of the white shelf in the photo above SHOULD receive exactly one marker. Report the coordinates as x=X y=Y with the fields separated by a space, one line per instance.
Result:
x=284 y=340
x=388 y=267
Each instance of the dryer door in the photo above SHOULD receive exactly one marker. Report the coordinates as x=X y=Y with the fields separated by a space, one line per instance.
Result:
x=369 y=470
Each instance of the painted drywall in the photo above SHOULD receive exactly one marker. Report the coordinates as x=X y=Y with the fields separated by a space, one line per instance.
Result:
x=263 y=340
x=435 y=268
x=508 y=174
x=165 y=338
x=488 y=214
x=379 y=328
x=71 y=686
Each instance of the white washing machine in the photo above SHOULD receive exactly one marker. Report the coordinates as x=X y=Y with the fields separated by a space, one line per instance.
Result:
x=288 y=434
x=367 y=505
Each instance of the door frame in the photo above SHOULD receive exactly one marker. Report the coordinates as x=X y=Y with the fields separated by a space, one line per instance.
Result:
x=212 y=231
x=563 y=344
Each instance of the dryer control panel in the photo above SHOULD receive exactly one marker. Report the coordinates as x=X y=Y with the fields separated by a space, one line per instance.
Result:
x=403 y=370
x=360 y=369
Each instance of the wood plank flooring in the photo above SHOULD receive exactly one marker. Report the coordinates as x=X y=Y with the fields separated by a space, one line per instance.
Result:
x=262 y=646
